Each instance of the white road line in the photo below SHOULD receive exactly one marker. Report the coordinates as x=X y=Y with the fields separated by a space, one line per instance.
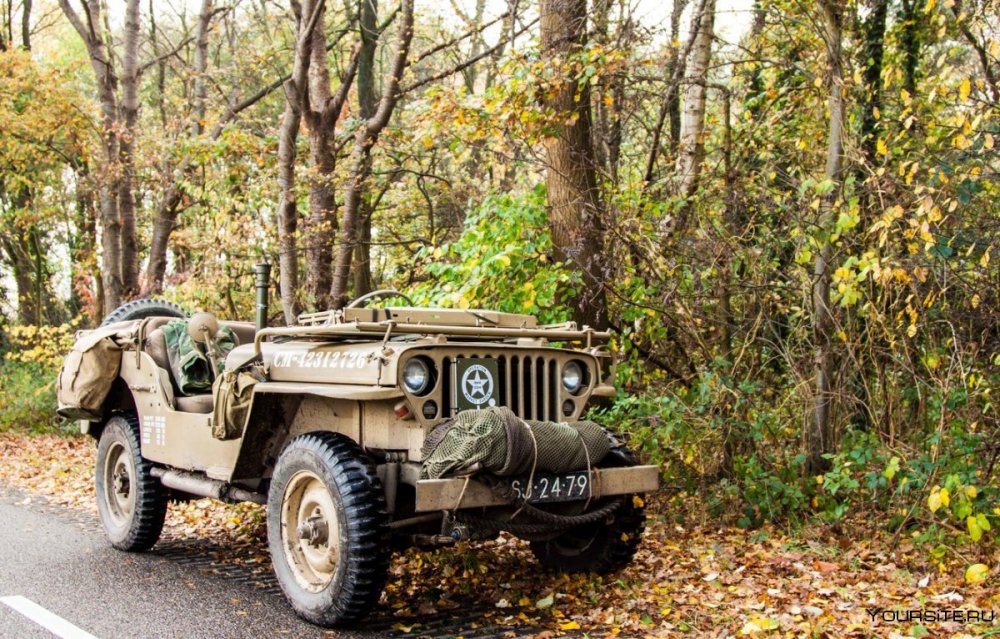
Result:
x=48 y=620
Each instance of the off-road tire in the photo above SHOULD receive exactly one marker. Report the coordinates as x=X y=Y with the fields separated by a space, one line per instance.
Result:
x=132 y=521
x=601 y=548
x=360 y=557
x=143 y=308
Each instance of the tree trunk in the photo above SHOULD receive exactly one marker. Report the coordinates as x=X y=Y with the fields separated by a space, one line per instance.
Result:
x=26 y=25
x=361 y=162
x=362 y=272
x=15 y=245
x=874 y=47
x=366 y=108
x=288 y=218
x=673 y=61
x=126 y=159
x=608 y=123
x=321 y=117
x=691 y=141
x=820 y=435
x=170 y=202
x=322 y=222
x=910 y=42
x=573 y=201
x=114 y=178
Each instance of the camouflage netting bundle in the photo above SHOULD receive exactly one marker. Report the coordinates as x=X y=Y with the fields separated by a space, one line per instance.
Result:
x=497 y=441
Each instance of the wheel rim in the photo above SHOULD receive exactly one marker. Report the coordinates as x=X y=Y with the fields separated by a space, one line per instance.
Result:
x=310 y=531
x=119 y=484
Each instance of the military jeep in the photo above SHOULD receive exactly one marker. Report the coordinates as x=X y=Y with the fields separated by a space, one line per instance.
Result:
x=336 y=423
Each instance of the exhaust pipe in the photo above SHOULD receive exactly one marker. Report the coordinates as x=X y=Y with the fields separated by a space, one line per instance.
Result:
x=202 y=486
x=263 y=285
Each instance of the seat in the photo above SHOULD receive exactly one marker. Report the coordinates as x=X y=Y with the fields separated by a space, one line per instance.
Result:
x=155 y=346
x=244 y=331
x=195 y=403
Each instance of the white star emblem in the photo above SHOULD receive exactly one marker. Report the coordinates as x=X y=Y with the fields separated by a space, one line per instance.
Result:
x=477 y=385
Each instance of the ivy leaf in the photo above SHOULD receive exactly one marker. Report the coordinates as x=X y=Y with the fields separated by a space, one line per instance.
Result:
x=975 y=532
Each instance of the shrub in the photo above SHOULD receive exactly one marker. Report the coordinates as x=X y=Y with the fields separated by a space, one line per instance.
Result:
x=28 y=374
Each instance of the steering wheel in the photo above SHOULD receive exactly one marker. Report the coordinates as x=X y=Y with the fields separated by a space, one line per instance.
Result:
x=385 y=293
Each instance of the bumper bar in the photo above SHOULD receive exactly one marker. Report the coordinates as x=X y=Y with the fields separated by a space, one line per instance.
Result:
x=444 y=494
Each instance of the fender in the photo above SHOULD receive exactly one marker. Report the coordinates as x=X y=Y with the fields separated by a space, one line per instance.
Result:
x=282 y=410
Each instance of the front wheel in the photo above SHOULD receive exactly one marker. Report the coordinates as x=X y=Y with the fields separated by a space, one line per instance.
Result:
x=602 y=547
x=130 y=501
x=327 y=529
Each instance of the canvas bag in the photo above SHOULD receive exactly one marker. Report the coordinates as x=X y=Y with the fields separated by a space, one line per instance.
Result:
x=233 y=392
x=87 y=374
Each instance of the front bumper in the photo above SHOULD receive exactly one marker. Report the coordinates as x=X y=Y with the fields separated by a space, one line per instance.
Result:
x=454 y=493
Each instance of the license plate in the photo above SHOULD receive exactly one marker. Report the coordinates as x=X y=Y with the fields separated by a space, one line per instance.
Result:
x=553 y=488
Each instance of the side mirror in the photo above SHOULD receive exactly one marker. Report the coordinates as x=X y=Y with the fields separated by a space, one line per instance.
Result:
x=202 y=327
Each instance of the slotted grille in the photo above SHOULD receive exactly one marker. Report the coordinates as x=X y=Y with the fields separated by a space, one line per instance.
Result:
x=528 y=384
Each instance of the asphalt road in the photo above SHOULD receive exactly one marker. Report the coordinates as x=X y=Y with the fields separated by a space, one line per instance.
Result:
x=57 y=558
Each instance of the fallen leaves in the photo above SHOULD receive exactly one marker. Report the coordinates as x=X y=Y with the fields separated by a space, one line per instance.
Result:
x=976 y=573
x=699 y=580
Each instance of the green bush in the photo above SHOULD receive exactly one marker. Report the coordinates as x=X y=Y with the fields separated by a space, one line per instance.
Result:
x=28 y=398
x=502 y=261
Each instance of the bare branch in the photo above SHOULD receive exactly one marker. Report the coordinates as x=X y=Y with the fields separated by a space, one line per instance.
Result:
x=458 y=68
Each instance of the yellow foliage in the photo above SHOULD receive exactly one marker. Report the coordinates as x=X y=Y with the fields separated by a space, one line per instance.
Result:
x=46 y=345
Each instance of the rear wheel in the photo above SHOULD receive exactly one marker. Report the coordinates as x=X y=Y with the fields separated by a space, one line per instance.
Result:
x=143 y=308
x=130 y=501
x=327 y=529
x=601 y=547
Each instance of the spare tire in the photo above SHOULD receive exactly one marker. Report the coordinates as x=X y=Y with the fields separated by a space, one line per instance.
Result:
x=143 y=308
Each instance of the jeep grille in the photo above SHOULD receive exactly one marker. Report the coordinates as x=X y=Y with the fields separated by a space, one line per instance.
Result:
x=529 y=385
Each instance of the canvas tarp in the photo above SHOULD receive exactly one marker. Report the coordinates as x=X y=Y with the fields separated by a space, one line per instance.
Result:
x=497 y=441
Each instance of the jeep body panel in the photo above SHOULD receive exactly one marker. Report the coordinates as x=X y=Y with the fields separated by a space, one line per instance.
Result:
x=169 y=436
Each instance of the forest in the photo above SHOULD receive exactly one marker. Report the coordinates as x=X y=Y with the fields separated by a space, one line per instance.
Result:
x=787 y=212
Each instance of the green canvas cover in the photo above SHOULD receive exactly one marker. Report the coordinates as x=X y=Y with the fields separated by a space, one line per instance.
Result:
x=188 y=364
x=497 y=441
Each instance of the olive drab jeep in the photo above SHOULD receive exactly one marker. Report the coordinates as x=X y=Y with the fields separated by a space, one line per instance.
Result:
x=362 y=430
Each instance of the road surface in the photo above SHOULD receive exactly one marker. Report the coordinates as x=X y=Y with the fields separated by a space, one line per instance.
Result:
x=60 y=578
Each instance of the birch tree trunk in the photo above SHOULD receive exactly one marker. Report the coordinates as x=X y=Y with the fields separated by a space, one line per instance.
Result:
x=819 y=435
x=571 y=180
x=691 y=141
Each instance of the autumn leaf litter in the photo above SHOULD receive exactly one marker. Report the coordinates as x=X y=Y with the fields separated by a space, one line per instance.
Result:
x=696 y=580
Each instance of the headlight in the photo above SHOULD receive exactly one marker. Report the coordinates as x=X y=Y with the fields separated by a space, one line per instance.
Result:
x=572 y=376
x=417 y=375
